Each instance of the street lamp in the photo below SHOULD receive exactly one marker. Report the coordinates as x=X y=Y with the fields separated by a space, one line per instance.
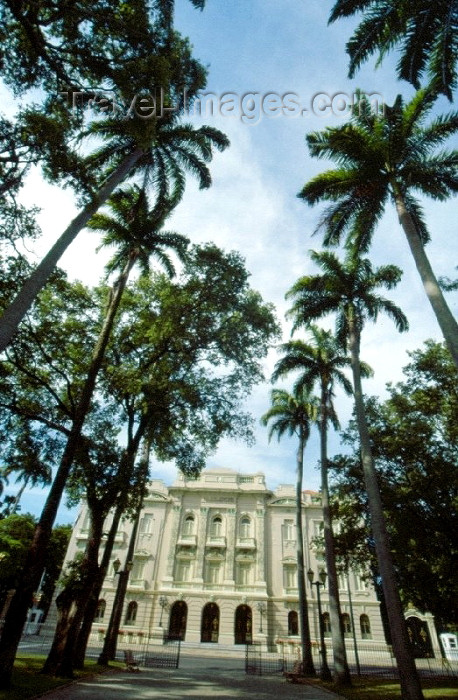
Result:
x=163 y=602
x=261 y=609
x=325 y=673
x=111 y=637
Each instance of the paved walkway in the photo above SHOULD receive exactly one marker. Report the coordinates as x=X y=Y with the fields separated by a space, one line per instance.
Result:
x=197 y=678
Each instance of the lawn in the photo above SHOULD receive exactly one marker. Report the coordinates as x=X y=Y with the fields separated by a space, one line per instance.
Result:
x=373 y=688
x=28 y=682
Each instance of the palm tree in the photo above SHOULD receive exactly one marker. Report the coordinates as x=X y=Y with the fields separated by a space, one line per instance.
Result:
x=321 y=361
x=348 y=289
x=129 y=207
x=424 y=32
x=292 y=414
x=160 y=149
x=387 y=156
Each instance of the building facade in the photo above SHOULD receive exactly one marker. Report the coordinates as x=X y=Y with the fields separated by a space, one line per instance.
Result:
x=215 y=563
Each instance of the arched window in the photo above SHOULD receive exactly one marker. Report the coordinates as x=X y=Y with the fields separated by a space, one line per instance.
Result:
x=217 y=526
x=178 y=620
x=346 y=624
x=188 y=525
x=209 y=630
x=365 y=626
x=243 y=625
x=293 y=624
x=131 y=614
x=326 y=624
x=100 y=612
x=245 y=527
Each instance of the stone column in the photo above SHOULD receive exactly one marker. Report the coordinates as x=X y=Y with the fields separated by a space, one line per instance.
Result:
x=176 y=510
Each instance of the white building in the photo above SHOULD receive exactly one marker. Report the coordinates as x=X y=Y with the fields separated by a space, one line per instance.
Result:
x=215 y=562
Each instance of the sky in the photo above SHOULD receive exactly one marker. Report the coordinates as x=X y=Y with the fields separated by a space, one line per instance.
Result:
x=264 y=60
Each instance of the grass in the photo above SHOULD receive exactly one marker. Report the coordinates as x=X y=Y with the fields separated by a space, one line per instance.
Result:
x=372 y=688
x=28 y=682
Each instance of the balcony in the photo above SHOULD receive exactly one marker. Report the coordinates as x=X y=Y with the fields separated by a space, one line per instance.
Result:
x=214 y=541
x=187 y=540
x=245 y=543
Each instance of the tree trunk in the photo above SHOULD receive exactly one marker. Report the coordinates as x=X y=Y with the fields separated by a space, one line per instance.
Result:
x=33 y=569
x=408 y=676
x=89 y=614
x=307 y=662
x=341 y=670
x=445 y=319
x=60 y=659
x=66 y=609
x=109 y=648
x=16 y=311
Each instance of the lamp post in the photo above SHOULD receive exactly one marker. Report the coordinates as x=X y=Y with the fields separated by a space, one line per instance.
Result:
x=325 y=673
x=164 y=603
x=261 y=609
x=111 y=637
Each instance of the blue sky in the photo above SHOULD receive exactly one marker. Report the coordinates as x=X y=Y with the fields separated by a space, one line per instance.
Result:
x=277 y=48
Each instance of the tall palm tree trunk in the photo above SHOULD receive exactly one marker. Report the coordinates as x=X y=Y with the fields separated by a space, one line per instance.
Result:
x=17 y=612
x=341 y=669
x=445 y=318
x=408 y=676
x=16 y=311
x=307 y=662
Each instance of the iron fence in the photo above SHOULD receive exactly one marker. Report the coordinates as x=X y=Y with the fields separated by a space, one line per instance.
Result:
x=150 y=651
x=372 y=659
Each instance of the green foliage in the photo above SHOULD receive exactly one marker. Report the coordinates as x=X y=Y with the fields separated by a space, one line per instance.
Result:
x=377 y=156
x=16 y=532
x=291 y=414
x=423 y=32
x=414 y=439
x=347 y=288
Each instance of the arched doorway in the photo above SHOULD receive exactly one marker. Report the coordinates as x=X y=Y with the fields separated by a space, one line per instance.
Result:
x=178 y=619
x=243 y=625
x=419 y=638
x=210 y=623
x=293 y=624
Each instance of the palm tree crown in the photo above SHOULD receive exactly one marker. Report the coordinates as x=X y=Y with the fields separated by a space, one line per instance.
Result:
x=379 y=155
x=348 y=289
x=135 y=232
x=424 y=32
x=387 y=156
x=319 y=361
x=290 y=414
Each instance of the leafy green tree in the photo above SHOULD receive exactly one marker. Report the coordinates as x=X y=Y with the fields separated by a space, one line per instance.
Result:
x=28 y=455
x=414 y=437
x=16 y=533
x=320 y=361
x=134 y=222
x=392 y=155
x=424 y=33
x=154 y=68
x=156 y=380
x=349 y=289
x=168 y=337
x=292 y=414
